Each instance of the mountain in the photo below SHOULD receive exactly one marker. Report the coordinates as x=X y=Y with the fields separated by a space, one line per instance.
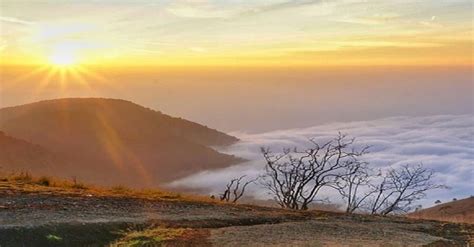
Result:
x=110 y=141
x=454 y=211
x=18 y=155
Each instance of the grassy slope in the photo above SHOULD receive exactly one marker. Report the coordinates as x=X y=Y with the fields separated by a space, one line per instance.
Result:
x=455 y=211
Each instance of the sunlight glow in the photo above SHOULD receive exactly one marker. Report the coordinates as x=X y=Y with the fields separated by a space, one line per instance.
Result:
x=63 y=59
x=65 y=54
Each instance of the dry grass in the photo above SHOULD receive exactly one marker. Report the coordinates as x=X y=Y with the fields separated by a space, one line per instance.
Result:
x=30 y=183
x=459 y=211
x=448 y=218
x=27 y=178
x=150 y=237
x=19 y=177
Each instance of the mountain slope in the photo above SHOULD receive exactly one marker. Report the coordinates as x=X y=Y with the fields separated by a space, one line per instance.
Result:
x=455 y=211
x=145 y=118
x=116 y=141
x=18 y=155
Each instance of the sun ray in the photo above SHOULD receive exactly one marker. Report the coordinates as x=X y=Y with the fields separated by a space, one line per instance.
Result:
x=62 y=79
x=121 y=156
x=89 y=73
x=44 y=82
x=77 y=76
x=34 y=72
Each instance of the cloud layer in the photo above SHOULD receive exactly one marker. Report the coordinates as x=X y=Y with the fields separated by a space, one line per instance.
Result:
x=444 y=143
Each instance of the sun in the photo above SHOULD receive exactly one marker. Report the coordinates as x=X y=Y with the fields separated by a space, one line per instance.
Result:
x=63 y=59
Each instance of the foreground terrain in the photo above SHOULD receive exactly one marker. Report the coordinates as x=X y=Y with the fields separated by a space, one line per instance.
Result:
x=45 y=213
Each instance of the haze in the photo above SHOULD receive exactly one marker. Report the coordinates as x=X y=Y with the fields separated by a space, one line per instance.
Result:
x=269 y=98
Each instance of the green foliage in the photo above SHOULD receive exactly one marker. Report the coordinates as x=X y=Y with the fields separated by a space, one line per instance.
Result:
x=53 y=238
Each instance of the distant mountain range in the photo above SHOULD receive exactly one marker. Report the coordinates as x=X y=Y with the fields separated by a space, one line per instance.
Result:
x=107 y=141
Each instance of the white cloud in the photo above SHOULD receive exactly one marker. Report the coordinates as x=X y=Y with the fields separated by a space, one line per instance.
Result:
x=444 y=143
x=198 y=9
x=15 y=20
x=375 y=19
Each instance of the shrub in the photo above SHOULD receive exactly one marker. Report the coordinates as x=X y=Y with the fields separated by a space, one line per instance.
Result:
x=77 y=185
x=120 y=189
x=80 y=186
x=44 y=181
x=22 y=177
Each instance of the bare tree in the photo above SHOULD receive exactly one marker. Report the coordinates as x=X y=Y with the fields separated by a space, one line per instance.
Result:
x=235 y=189
x=295 y=177
x=399 y=188
x=353 y=185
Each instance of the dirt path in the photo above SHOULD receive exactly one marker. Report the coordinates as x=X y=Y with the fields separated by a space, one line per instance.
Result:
x=50 y=218
x=325 y=232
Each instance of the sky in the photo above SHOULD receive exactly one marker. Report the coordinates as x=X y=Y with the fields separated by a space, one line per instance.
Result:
x=236 y=33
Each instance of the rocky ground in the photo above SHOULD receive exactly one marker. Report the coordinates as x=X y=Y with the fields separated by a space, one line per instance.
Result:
x=33 y=215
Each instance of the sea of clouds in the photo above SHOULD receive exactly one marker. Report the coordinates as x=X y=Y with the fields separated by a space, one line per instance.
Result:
x=444 y=143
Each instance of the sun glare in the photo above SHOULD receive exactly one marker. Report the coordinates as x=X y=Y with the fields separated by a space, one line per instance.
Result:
x=63 y=59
